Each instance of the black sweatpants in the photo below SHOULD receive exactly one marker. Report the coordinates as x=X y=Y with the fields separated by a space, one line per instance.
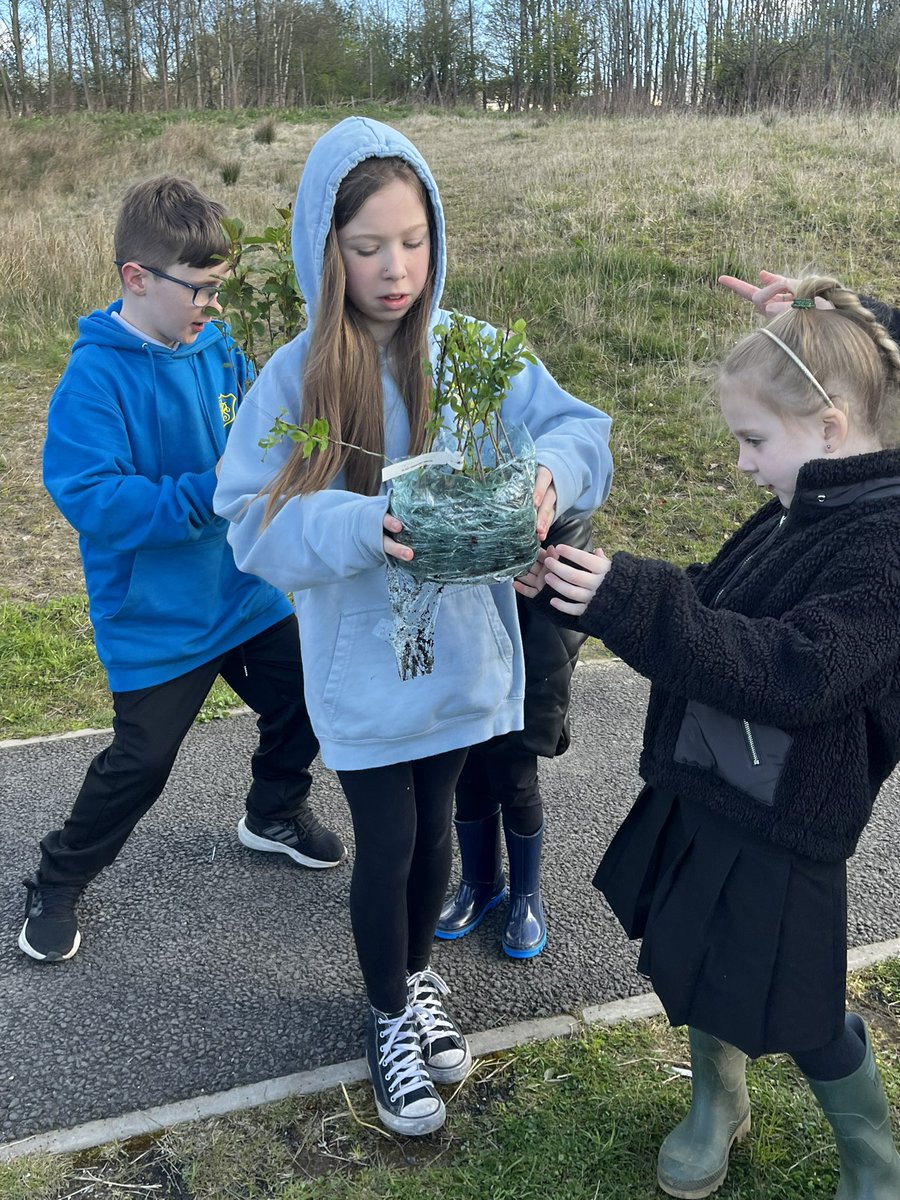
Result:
x=401 y=821
x=501 y=774
x=150 y=724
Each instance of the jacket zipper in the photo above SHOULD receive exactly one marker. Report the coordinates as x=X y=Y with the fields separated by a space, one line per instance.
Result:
x=748 y=732
x=742 y=565
x=751 y=744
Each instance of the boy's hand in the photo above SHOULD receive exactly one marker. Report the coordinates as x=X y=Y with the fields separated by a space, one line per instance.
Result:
x=544 y=502
x=392 y=525
x=576 y=575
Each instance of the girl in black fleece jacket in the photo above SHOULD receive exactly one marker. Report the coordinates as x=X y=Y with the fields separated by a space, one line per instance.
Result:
x=774 y=718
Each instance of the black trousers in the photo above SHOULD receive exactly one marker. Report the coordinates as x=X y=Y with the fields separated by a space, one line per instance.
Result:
x=150 y=724
x=501 y=774
x=401 y=822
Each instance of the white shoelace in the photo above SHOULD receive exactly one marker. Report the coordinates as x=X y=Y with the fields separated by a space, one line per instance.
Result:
x=425 y=991
x=400 y=1053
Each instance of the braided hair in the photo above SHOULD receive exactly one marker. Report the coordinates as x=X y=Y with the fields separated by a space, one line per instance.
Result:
x=843 y=346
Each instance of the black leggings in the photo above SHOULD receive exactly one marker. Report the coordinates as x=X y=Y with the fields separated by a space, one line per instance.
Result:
x=401 y=821
x=837 y=1060
x=501 y=774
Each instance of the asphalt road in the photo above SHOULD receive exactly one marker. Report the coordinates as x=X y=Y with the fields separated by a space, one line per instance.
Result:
x=205 y=966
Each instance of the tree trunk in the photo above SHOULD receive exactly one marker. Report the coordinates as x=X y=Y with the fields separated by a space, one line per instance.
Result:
x=19 y=56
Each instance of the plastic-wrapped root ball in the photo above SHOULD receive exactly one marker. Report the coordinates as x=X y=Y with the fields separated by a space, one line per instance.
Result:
x=465 y=530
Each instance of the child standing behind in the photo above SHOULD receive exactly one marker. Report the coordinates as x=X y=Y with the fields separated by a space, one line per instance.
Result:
x=774 y=718
x=135 y=429
x=368 y=243
x=499 y=784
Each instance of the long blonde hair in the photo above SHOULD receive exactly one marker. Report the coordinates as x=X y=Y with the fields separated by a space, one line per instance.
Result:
x=848 y=352
x=342 y=373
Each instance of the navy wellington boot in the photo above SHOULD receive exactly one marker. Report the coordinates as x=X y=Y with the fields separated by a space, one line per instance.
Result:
x=482 y=886
x=526 y=931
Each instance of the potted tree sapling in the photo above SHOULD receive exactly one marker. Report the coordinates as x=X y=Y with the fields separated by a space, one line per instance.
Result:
x=466 y=502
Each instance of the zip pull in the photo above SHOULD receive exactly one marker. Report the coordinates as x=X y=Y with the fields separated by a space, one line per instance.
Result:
x=751 y=743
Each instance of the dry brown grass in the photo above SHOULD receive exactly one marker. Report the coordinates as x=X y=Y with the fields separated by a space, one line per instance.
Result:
x=704 y=195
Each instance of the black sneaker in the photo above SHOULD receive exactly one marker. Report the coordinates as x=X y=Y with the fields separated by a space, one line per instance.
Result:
x=445 y=1051
x=50 y=932
x=404 y=1095
x=303 y=838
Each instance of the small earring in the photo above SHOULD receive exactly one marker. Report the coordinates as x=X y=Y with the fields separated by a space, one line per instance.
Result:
x=828 y=445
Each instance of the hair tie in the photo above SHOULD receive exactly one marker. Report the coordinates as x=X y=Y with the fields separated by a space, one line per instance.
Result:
x=803 y=302
x=800 y=363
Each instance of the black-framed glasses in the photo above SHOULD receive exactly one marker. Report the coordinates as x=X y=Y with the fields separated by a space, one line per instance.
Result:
x=201 y=297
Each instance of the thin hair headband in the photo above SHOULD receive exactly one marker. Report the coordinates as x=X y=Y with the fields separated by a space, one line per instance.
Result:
x=800 y=363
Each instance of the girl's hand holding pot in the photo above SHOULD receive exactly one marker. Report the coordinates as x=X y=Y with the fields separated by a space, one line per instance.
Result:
x=392 y=525
x=544 y=502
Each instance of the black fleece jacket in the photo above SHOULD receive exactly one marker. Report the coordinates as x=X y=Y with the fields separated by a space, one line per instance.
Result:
x=885 y=314
x=779 y=660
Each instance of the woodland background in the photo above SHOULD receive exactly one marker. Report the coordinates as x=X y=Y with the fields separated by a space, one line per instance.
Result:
x=599 y=56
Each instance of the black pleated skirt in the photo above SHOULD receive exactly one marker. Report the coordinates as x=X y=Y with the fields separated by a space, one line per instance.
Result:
x=741 y=938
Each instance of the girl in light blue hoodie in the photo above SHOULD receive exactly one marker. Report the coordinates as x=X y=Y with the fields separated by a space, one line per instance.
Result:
x=368 y=245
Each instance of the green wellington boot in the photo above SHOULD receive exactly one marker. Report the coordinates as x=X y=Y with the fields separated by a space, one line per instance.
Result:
x=858 y=1113
x=693 y=1160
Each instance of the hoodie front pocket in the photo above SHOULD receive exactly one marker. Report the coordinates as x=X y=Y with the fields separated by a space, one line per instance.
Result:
x=750 y=757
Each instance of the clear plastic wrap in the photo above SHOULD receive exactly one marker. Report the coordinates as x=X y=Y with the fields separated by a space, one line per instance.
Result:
x=414 y=608
x=469 y=530
x=465 y=530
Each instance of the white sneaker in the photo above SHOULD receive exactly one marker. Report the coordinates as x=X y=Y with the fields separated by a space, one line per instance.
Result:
x=404 y=1094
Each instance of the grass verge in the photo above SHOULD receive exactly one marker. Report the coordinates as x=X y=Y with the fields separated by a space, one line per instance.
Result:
x=569 y=1119
x=50 y=678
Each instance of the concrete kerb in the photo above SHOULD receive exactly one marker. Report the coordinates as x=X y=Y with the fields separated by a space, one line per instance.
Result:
x=217 y=1104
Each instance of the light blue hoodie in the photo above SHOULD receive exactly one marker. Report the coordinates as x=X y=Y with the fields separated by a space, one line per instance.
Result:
x=327 y=548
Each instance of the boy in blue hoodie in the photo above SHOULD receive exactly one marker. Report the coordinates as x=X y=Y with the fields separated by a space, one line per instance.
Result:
x=135 y=431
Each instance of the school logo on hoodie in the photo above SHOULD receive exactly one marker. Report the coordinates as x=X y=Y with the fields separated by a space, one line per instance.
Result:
x=227 y=407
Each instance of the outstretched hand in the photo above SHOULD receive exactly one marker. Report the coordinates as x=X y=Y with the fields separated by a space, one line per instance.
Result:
x=574 y=574
x=775 y=294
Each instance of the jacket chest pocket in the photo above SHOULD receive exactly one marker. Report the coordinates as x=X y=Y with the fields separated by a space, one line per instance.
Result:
x=750 y=757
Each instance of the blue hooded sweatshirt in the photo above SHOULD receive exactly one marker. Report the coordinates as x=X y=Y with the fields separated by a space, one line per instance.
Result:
x=134 y=433
x=327 y=548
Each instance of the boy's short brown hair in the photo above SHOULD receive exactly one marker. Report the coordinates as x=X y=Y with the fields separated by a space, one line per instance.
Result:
x=168 y=220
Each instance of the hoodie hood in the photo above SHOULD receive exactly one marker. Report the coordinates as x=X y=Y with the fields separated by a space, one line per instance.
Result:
x=333 y=156
x=100 y=328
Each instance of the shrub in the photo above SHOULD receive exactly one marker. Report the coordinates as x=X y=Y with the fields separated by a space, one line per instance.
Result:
x=264 y=133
